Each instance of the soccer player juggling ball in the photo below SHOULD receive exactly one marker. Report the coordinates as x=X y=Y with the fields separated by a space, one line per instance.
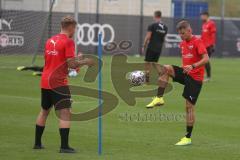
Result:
x=59 y=57
x=191 y=75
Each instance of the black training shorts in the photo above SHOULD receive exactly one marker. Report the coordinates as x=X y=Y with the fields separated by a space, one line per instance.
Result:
x=59 y=97
x=152 y=56
x=192 y=88
x=210 y=50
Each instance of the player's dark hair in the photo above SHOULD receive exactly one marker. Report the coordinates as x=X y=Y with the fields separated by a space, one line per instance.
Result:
x=183 y=24
x=205 y=13
x=158 y=14
x=68 y=21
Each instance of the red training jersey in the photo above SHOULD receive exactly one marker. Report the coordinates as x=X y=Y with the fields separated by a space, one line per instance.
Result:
x=192 y=52
x=57 y=50
x=209 y=33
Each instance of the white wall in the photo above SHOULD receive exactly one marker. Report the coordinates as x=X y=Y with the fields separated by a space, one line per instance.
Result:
x=33 y=5
x=164 y=5
x=122 y=7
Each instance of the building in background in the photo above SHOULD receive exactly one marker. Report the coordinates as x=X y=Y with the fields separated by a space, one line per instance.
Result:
x=190 y=9
x=30 y=5
x=116 y=7
x=170 y=8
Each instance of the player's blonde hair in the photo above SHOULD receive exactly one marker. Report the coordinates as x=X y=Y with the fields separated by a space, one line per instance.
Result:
x=183 y=24
x=68 y=21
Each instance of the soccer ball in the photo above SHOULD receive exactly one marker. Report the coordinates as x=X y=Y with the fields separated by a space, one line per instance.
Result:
x=137 y=78
x=72 y=73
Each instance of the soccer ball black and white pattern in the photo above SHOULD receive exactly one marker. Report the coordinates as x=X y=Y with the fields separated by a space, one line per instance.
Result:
x=137 y=78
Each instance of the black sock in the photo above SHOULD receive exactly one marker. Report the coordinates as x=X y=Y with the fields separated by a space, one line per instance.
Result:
x=64 y=133
x=38 y=134
x=208 y=69
x=147 y=77
x=160 y=91
x=189 y=131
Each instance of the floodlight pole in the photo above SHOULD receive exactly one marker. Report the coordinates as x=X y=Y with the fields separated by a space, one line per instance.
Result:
x=76 y=18
x=222 y=26
x=141 y=27
x=183 y=8
x=0 y=9
x=97 y=21
x=97 y=11
x=51 y=3
x=0 y=12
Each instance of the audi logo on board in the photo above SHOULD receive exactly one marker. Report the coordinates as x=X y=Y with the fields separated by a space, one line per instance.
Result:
x=86 y=34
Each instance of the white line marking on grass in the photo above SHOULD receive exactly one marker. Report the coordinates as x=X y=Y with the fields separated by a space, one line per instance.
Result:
x=7 y=67
x=139 y=100
x=200 y=99
x=38 y=99
x=19 y=97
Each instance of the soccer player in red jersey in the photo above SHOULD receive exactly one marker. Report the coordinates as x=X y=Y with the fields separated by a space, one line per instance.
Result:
x=191 y=75
x=59 y=57
x=209 y=38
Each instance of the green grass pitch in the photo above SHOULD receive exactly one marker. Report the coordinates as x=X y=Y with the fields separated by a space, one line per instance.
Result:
x=216 y=135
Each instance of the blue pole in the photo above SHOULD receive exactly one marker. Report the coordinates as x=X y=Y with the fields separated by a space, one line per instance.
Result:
x=99 y=94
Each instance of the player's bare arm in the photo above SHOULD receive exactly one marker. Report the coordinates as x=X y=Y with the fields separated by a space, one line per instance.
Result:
x=202 y=62
x=146 y=40
x=77 y=62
